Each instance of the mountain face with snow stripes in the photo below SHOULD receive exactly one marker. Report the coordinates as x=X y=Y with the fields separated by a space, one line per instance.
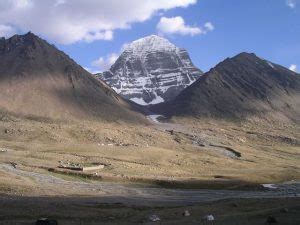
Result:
x=151 y=70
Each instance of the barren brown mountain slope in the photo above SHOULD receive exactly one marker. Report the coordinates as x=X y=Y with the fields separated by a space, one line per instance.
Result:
x=138 y=160
x=36 y=79
x=237 y=88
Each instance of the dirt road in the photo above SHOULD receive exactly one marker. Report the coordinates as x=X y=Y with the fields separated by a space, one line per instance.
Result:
x=143 y=195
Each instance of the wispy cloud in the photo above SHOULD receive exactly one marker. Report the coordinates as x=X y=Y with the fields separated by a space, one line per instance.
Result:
x=209 y=26
x=291 y=3
x=6 y=31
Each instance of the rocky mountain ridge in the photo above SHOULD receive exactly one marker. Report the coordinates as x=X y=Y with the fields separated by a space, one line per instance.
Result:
x=238 y=87
x=38 y=80
x=151 y=70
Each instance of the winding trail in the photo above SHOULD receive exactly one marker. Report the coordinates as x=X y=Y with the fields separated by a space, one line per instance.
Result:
x=142 y=195
x=202 y=141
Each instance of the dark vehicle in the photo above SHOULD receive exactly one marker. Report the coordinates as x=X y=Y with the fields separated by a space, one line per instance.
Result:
x=46 y=221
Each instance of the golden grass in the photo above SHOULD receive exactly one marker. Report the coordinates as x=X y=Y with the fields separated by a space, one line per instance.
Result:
x=268 y=153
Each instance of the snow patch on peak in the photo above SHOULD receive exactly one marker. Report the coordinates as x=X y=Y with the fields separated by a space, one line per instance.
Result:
x=149 y=44
x=151 y=70
x=271 y=65
x=141 y=101
x=268 y=62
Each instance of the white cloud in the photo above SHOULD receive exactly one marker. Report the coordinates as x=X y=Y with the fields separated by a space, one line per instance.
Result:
x=291 y=3
x=176 y=25
x=209 y=26
x=69 y=21
x=112 y=58
x=293 y=67
x=104 y=63
x=6 y=31
x=124 y=46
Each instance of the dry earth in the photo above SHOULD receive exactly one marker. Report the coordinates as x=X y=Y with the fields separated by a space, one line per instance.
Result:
x=185 y=154
x=213 y=153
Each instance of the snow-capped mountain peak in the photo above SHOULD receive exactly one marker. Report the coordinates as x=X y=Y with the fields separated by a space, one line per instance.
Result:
x=149 y=44
x=151 y=70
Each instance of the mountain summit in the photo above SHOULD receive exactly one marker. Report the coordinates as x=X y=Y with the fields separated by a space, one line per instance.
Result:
x=242 y=86
x=151 y=70
x=36 y=79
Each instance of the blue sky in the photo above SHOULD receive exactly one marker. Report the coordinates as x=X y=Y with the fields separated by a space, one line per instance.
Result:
x=269 y=28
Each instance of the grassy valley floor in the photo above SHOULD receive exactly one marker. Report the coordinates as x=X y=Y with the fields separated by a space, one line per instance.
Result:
x=215 y=155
